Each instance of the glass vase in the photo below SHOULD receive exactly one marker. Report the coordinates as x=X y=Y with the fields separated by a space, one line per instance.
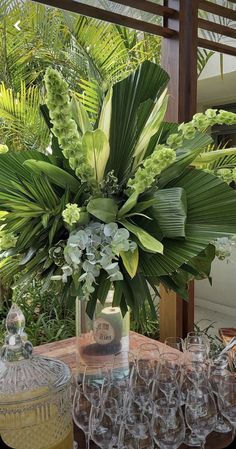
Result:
x=99 y=339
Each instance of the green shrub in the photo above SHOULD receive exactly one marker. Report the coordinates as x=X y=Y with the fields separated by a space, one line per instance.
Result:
x=47 y=318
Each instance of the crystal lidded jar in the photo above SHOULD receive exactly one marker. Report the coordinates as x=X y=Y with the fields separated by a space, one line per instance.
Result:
x=35 y=403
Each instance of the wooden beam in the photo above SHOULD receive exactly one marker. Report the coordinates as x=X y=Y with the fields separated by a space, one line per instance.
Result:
x=171 y=314
x=217 y=28
x=188 y=59
x=217 y=46
x=179 y=59
x=188 y=311
x=147 y=6
x=214 y=8
x=109 y=16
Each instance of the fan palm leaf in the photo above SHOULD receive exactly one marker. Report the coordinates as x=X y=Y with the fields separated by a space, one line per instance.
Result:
x=203 y=222
x=133 y=100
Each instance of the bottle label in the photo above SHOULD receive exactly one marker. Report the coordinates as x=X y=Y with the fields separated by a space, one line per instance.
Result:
x=103 y=331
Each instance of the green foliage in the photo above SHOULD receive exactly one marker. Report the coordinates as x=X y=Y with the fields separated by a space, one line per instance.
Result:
x=148 y=323
x=145 y=177
x=21 y=124
x=47 y=317
x=89 y=53
x=173 y=217
x=105 y=209
x=216 y=344
x=133 y=100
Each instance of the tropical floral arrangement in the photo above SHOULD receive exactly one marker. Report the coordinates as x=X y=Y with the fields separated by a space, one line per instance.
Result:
x=128 y=200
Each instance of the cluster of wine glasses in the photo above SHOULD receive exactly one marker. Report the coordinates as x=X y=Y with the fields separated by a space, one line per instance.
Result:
x=156 y=396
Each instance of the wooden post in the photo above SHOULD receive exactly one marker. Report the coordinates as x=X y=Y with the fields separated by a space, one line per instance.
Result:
x=179 y=59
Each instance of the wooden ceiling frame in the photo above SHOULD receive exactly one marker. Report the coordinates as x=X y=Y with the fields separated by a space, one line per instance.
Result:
x=179 y=58
x=119 y=19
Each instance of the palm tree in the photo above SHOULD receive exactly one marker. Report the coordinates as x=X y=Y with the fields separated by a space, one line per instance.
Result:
x=90 y=55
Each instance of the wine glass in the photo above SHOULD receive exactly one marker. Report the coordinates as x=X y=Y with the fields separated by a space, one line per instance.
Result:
x=81 y=412
x=168 y=424
x=125 y=438
x=218 y=372
x=197 y=353
x=147 y=361
x=102 y=429
x=173 y=362
x=140 y=395
x=167 y=381
x=175 y=342
x=195 y=338
x=138 y=426
x=95 y=382
x=197 y=373
x=124 y=368
x=111 y=408
x=201 y=413
x=227 y=398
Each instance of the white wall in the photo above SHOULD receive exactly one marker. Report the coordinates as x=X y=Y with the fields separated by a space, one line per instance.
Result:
x=212 y=91
x=221 y=296
x=213 y=69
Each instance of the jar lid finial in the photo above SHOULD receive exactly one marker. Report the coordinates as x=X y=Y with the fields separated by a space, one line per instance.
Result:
x=16 y=346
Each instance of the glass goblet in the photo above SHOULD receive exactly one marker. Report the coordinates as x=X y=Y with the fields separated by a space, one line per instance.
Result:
x=197 y=373
x=111 y=408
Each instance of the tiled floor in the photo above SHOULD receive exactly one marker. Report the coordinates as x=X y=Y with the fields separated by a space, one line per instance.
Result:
x=205 y=316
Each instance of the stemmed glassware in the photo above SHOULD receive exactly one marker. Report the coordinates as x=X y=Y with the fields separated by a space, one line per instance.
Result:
x=168 y=375
x=147 y=362
x=101 y=429
x=175 y=342
x=95 y=382
x=193 y=339
x=81 y=412
x=124 y=369
x=138 y=426
x=227 y=399
x=200 y=413
x=197 y=353
x=163 y=397
x=168 y=424
x=219 y=373
x=140 y=395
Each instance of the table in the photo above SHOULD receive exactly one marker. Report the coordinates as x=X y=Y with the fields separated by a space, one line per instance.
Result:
x=66 y=351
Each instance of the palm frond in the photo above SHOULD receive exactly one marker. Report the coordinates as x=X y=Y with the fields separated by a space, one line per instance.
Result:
x=203 y=56
x=203 y=225
x=22 y=125
x=129 y=117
